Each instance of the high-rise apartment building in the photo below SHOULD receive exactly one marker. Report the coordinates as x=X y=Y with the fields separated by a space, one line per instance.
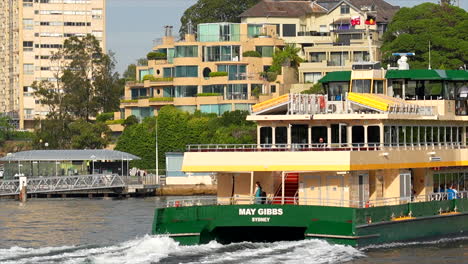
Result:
x=31 y=31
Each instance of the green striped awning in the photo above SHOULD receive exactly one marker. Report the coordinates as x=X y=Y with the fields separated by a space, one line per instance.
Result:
x=422 y=74
x=337 y=76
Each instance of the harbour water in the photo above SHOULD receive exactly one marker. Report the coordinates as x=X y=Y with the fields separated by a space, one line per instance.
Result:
x=118 y=231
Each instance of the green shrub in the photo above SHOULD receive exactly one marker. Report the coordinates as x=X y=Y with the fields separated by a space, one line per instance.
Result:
x=161 y=99
x=131 y=120
x=148 y=77
x=21 y=135
x=129 y=101
x=218 y=74
x=115 y=122
x=256 y=91
x=252 y=53
x=163 y=79
x=209 y=94
x=103 y=117
x=156 y=56
x=269 y=76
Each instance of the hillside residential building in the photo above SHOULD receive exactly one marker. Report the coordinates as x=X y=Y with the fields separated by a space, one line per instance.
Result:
x=210 y=72
x=332 y=34
x=31 y=31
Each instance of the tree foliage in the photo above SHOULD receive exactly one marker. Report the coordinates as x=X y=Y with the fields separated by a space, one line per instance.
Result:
x=177 y=129
x=288 y=56
x=444 y=26
x=211 y=11
x=86 y=85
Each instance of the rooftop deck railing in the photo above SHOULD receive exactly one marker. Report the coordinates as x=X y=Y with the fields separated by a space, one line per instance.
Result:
x=205 y=201
x=320 y=147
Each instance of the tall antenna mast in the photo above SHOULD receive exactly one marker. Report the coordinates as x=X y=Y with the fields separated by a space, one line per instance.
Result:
x=429 y=55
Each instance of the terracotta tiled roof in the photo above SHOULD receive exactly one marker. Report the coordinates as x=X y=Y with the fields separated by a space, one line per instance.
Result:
x=268 y=8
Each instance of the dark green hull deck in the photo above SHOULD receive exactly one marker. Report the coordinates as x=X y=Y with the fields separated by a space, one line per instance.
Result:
x=343 y=225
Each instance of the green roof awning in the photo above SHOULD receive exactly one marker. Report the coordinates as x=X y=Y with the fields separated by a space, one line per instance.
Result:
x=416 y=74
x=457 y=75
x=337 y=76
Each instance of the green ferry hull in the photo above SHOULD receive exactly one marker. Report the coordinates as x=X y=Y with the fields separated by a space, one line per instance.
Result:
x=343 y=225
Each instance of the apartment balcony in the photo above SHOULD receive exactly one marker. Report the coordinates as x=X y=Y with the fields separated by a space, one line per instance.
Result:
x=146 y=101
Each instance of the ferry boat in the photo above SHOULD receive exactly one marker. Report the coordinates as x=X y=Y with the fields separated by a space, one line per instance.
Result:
x=369 y=162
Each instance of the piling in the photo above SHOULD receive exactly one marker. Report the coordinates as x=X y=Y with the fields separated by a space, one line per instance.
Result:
x=23 y=196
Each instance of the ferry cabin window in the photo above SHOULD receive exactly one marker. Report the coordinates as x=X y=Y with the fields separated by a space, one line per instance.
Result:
x=361 y=86
x=378 y=87
x=358 y=135
x=319 y=132
x=373 y=135
x=336 y=90
x=299 y=134
x=265 y=135
x=339 y=135
x=442 y=180
x=461 y=104
x=397 y=87
x=281 y=135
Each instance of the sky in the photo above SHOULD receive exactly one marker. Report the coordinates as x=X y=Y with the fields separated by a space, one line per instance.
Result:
x=132 y=25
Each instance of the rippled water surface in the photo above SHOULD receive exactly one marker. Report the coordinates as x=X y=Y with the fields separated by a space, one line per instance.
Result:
x=117 y=231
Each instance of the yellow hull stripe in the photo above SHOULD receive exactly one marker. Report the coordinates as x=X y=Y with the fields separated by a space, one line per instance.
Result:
x=357 y=167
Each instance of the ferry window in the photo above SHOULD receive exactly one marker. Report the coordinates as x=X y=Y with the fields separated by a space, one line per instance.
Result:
x=361 y=86
x=358 y=135
x=299 y=134
x=410 y=90
x=448 y=134
x=429 y=136
x=336 y=91
x=460 y=133
x=436 y=182
x=319 y=132
x=408 y=135
x=402 y=135
x=449 y=90
x=422 y=135
x=265 y=135
x=436 y=135
x=397 y=89
x=339 y=134
x=415 y=135
x=434 y=89
x=394 y=135
x=373 y=134
x=387 y=139
x=281 y=135
x=378 y=87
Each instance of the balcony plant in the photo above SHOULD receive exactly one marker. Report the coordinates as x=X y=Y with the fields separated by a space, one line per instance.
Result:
x=156 y=56
x=208 y=94
x=161 y=99
x=252 y=53
x=149 y=77
x=115 y=122
x=129 y=101
x=218 y=74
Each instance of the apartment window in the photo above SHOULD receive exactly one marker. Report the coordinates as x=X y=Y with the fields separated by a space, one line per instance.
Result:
x=186 y=71
x=344 y=9
x=266 y=51
x=289 y=30
x=97 y=34
x=28 y=24
x=97 y=13
x=317 y=56
x=186 y=91
x=186 y=51
x=168 y=72
x=28 y=46
x=338 y=58
x=27 y=3
x=222 y=53
x=28 y=69
x=312 y=77
x=235 y=72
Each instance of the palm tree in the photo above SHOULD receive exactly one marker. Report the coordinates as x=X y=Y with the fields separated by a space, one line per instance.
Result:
x=287 y=57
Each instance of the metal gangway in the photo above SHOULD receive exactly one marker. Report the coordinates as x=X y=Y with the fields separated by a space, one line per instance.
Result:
x=63 y=184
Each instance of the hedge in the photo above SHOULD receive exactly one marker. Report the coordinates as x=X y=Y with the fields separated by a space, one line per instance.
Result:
x=149 y=77
x=129 y=101
x=252 y=53
x=115 y=122
x=209 y=94
x=156 y=56
x=218 y=74
x=161 y=99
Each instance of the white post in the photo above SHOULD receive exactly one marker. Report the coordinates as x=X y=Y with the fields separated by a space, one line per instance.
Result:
x=157 y=152
x=251 y=186
x=282 y=187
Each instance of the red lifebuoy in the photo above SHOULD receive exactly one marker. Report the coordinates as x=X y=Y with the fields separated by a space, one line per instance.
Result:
x=322 y=102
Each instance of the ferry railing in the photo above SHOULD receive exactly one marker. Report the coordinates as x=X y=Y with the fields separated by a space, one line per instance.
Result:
x=298 y=200
x=321 y=147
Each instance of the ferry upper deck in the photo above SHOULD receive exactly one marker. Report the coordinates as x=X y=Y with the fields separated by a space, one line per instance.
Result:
x=374 y=135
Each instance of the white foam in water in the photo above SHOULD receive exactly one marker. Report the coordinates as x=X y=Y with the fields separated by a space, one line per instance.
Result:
x=160 y=248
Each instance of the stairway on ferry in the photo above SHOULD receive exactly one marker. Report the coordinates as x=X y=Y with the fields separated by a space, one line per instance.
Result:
x=291 y=186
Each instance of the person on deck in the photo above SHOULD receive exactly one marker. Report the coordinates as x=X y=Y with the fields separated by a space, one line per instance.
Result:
x=258 y=193
x=452 y=193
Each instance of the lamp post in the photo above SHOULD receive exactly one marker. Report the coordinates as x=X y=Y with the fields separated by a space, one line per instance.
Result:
x=93 y=159
x=156 y=150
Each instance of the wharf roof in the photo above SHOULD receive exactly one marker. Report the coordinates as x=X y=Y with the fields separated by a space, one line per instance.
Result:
x=69 y=155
